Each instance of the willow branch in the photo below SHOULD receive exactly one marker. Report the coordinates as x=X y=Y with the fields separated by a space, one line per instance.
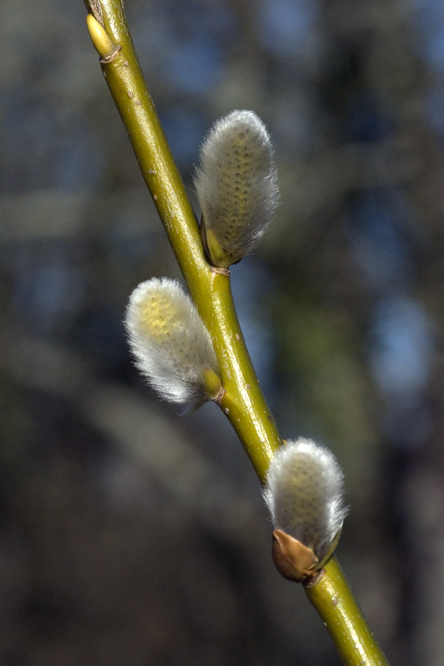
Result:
x=243 y=402
x=338 y=609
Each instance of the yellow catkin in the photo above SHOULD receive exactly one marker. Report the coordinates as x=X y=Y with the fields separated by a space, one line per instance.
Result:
x=170 y=343
x=157 y=317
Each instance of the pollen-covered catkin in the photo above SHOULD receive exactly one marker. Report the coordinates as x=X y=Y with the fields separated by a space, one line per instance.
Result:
x=304 y=493
x=236 y=186
x=170 y=343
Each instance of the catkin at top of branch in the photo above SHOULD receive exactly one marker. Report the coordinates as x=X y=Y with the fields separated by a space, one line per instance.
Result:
x=236 y=185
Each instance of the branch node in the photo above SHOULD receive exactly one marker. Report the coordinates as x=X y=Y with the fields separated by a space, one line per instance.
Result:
x=111 y=56
x=310 y=581
x=220 y=271
x=218 y=398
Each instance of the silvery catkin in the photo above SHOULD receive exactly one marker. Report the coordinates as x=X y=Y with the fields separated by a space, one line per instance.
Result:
x=236 y=186
x=171 y=344
x=304 y=494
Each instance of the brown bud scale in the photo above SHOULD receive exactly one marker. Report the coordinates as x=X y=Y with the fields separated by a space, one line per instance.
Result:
x=292 y=559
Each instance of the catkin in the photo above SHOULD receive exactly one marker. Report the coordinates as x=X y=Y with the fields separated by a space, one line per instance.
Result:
x=170 y=343
x=236 y=186
x=304 y=493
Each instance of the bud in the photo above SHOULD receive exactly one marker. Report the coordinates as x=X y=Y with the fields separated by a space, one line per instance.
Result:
x=101 y=40
x=170 y=343
x=303 y=492
x=236 y=186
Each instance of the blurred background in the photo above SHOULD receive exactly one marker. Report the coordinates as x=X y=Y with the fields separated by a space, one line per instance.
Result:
x=131 y=536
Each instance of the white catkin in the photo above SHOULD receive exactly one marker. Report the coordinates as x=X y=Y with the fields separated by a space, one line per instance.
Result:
x=169 y=341
x=236 y=183
x=304 y=494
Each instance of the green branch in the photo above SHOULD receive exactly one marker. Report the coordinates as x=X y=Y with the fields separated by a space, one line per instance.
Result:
x=338 y=609
x=243 y=402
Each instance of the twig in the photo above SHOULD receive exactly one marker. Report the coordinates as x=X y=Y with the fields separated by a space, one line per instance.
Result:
x=243 y=402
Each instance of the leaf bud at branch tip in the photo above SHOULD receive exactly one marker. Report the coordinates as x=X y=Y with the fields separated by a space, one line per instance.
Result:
x=236 y=186
x=170 y=343
x=304 y=494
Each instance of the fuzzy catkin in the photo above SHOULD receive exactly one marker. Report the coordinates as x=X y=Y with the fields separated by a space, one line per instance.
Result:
x=169 y=341
x=304 y=494
x=236 y=184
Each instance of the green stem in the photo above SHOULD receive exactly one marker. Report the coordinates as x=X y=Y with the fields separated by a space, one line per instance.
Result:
x=243 y=403
x=337 y=607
